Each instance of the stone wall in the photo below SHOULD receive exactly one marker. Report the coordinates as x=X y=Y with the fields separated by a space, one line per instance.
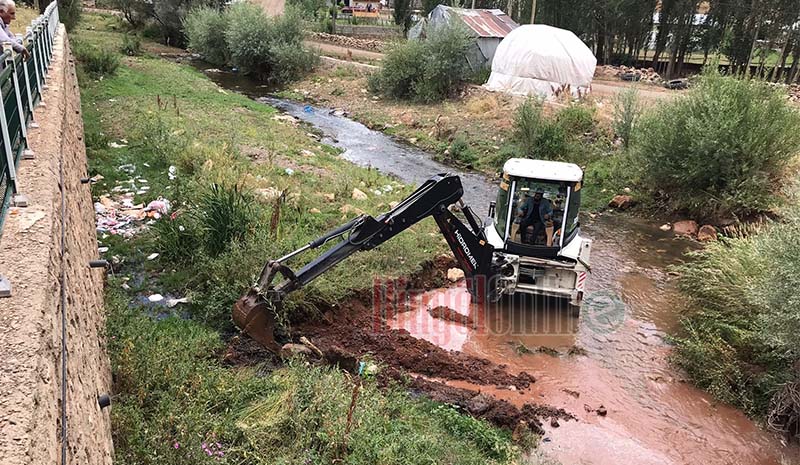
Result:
x=30 y=321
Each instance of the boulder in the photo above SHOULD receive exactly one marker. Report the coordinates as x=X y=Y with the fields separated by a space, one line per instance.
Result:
x=685 y=228
x=707 y=233
x=358 y=194
x=621 y=202
x=455 y=274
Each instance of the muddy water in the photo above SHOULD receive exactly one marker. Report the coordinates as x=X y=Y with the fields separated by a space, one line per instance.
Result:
x=615 y=355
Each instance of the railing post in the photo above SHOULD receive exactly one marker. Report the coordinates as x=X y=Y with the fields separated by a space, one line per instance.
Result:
x=27 y=78
x=10 y=159
x=27 y=153
x=36 y=68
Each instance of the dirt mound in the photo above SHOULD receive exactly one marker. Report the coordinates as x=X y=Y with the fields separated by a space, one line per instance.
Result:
x=356 y=332
x=446 y=313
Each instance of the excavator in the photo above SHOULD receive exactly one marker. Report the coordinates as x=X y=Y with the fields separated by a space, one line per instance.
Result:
x=530 y=242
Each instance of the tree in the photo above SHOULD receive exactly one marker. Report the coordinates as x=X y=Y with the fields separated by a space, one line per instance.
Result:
x=402 y=13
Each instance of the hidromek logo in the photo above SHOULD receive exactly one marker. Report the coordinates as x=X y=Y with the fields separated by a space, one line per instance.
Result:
x=463 y=244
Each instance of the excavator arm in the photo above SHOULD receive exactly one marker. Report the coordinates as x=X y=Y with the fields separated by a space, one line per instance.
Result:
x=254 y=312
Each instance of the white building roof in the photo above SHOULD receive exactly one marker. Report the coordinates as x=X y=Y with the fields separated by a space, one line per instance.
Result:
x=542 y=169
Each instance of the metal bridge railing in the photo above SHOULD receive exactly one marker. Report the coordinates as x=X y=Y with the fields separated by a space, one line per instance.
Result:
x=21 y=85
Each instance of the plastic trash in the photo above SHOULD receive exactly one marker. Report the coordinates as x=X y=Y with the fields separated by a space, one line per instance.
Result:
x=128 y=168
x=152 y=256
x=308 y=109
x=155 y=298
x=289 y=171
x=173 y=302
x=172 y=172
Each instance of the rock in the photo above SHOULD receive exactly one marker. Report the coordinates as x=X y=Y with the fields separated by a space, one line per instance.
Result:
x=707 y=233
x=554 y=422
x=314 y=211
x=621 y=202
x=665 y=227
x=393 y=204
x=455 y=274
x=329 y=197
x=479 y=404
x=685 y=228
x=290 y=350
x=358 y=194
x=602 y=411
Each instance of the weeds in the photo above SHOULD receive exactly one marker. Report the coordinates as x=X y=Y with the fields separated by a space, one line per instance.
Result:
x=131 y=45
x=626 y=115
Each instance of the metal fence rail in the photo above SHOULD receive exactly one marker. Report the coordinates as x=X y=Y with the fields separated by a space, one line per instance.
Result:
x=21 y=85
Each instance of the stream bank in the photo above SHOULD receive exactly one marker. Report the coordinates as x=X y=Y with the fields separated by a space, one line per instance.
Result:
x=615 y=356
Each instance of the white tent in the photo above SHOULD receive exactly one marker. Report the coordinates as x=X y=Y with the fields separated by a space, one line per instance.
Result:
x=542 y=60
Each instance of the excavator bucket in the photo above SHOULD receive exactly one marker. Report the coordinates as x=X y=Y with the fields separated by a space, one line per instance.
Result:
x=253 y=315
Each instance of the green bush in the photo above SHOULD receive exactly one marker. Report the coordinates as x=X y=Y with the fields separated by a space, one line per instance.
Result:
x=271 y=49
x=97 y=61
x=576 y=120
x=722 y=150
x=131 y=45
x=462 y=152
x=741 y=337
x=205 y=31
x=69 y=12
x=426 y=71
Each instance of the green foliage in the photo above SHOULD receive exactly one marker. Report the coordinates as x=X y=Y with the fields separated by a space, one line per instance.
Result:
x=131 y=45
x=97 y=61
x=576 y=119
x=741 y=337
x=402 y=13
x=205 y=31
x=270 y=48
x=426 y=71
x=723 y=150
x=626 y=115
x=538 y=136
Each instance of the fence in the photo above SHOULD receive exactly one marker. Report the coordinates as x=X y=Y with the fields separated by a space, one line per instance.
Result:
x=21 y=85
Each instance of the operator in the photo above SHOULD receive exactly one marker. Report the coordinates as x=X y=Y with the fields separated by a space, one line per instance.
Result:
x=535 y=211
x=8 y=13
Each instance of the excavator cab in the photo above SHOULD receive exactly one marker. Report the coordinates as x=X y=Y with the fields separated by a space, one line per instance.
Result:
x=534 y=226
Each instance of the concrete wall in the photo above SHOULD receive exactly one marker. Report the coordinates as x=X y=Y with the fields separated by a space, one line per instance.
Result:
x=30 y=321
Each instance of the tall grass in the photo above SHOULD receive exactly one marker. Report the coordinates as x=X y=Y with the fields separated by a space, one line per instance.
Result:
x=626 y=115
x=721 y=151
x=553 y=138
x=176 y=404
x=741 y=338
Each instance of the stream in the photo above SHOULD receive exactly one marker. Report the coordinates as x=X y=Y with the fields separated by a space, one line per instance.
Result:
x=615 y=355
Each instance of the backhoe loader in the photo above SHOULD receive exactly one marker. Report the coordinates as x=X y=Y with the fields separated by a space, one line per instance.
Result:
x=529 y=243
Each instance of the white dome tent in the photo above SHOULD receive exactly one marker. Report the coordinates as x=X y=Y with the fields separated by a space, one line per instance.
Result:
x=541 y=60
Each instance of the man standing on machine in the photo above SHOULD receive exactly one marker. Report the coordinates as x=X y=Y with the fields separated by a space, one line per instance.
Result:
x=535 y=211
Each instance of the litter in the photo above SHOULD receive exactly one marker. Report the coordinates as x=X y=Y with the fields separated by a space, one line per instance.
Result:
x=172 y=172
x=155 y=298
x=115 y=145
x=152 y=256
x=129 y=168
x=173 y=302
x=121 y=216
x=289 y=171
x=102 y=249
x=308 y=109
